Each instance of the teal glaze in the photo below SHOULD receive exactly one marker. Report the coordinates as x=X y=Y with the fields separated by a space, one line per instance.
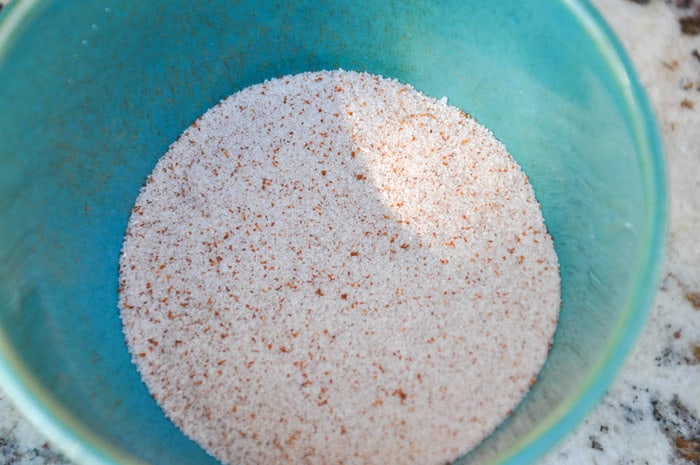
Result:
x=92 y=94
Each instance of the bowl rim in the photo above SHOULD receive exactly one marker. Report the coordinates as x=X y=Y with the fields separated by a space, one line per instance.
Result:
x=81 y=445
x=649 y=147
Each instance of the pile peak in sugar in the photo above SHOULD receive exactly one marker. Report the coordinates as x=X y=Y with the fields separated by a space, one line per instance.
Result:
x=332 y=267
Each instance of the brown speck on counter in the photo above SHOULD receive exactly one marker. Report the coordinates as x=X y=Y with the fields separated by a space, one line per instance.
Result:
x=680 y=426
x=694 y=299
x=689 y=449
x=690 y=25
x=696 y=54
x=672 y=65
x=687 y=103
x=695 y=349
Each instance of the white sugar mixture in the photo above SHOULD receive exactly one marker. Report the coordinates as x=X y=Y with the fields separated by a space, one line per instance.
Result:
x=333 y=268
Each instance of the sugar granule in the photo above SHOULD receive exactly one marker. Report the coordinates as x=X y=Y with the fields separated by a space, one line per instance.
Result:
x=332 y=267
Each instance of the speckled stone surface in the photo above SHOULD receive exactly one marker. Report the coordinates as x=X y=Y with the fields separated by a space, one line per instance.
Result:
x=20 y=443
x=651 y=414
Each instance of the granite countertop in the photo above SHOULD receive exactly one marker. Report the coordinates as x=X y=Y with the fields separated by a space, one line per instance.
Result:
x=651 y=414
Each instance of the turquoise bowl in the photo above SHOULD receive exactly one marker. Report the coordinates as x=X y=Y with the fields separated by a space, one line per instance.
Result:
x=92 y=94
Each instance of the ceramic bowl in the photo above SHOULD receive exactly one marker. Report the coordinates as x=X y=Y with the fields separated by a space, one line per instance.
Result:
x=93 y=93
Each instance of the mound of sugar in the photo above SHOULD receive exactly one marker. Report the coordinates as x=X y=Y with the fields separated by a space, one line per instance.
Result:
x=332 y=267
